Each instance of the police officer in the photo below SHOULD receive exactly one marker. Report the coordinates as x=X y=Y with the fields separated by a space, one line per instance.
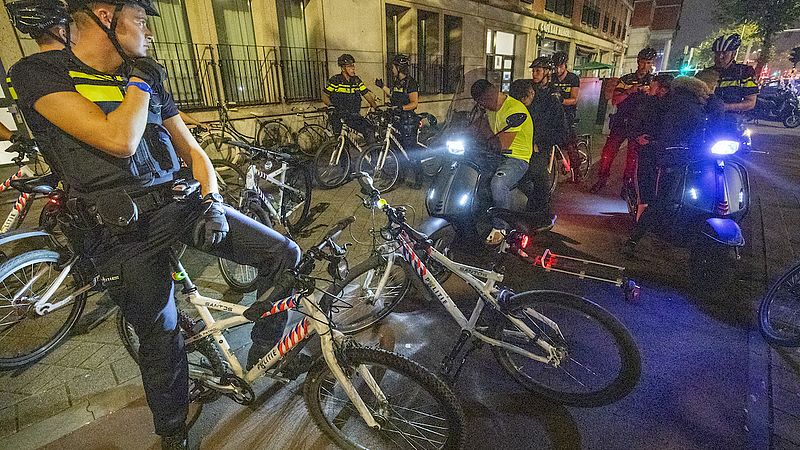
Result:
x=569 y=86
x=737 y=85
x=115 y=135
x=638 y=81
x=344 y=92
x=404 y=97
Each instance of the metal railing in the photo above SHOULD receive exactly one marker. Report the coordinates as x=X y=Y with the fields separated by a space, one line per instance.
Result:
x=201 y=75
x=433 y=74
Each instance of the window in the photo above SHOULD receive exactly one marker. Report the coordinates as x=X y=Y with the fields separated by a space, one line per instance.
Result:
x=549 y=46
x=453 y=69
x=591 y=14
x=614 y=31
x=428 y=56
x=561 y=7
x=241 y=61
x=605 y=24
x=397 y=30
x=500 y=58
x=172 y=46
x=303 y=73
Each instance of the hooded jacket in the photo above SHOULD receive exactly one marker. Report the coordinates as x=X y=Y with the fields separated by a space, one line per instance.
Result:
x=683 y=121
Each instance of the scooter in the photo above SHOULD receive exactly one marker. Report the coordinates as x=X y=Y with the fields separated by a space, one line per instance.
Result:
x=782 y=107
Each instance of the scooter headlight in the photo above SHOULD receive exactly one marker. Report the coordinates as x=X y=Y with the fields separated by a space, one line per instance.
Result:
x=455 y=147
x=725 y=147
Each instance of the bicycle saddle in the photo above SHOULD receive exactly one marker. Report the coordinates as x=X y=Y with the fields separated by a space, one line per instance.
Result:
x=36 y=185
x=528 y=222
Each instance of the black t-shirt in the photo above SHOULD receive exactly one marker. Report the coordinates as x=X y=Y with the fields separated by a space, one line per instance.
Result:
x=401 y=89
x=632 y=79
x=85 y=168
x=565 y=86
x=736 y=82
x=346 y=94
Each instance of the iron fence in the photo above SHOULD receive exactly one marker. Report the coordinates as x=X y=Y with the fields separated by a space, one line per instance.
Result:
x=433 y=73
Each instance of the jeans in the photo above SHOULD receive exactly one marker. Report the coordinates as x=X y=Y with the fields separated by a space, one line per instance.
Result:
x=506 y=177
x=136 y=269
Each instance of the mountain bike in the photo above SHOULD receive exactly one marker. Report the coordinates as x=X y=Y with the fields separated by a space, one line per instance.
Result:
x=359 y=397
x=35 y=167
x=333 y=161
x=558 y=345
x=312 y=135
x=381 y=161
x=560 y=167
x=216 y=142
x=276 y=191
x=779 y=311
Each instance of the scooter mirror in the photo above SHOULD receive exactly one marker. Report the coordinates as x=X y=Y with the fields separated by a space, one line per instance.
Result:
x=516 y=120
x=367 y=188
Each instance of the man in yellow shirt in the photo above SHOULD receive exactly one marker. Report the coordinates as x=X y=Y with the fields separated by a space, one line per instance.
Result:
x=517 y=140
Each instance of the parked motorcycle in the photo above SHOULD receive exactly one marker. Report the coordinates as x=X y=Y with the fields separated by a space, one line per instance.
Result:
x=781 y=107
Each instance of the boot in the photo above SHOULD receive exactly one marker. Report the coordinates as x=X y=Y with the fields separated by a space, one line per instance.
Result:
x=177 y=441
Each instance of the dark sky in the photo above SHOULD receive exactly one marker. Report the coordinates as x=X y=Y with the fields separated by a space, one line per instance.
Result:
x=698 y=19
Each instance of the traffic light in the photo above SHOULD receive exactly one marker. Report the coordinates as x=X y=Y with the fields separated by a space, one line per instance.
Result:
x=794 y=56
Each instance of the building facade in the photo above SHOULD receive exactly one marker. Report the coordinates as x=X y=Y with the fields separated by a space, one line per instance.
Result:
x=274 y=56
x=653 y=24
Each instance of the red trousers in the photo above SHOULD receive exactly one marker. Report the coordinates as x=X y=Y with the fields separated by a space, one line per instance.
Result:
x=610 y=151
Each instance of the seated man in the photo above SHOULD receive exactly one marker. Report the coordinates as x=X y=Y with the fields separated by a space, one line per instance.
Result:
x=517 y=142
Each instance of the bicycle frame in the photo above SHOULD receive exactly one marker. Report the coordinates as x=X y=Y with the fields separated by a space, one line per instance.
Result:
x=23 y=201
x=43 y=305
x=276 y=177
x=344 y=138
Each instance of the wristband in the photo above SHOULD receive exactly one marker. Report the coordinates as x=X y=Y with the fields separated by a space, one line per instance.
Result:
x=141 y=85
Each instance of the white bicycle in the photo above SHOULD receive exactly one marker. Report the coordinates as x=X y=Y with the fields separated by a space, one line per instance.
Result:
x=359 y=397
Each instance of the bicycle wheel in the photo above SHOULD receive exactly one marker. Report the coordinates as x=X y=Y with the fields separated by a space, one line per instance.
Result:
x=384 y=177
x=552 y=174
x=311 y=137
x=295 y=205
x=48 y=221
x=779 y=311
x=26 y=336
x=585 y=155
x=598 y=362
x=431 y=162
x=217 y=149
x=241 y=277
x=419 y=410
x=357 y=305
x=272 y=133
x=231 y=180
x=332 y=164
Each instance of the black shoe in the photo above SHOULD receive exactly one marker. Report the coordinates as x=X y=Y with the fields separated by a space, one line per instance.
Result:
x=177 y=441
x=257 y=351
x=599 y=185
x=297 y=366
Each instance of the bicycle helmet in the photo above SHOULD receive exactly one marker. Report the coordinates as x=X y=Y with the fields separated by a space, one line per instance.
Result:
x=36 y=17
x=543 y=61
x=647 y=53
x=111 y=31
x=729 y=44
x=401 y=61
x=559 y=58
x=345 y=60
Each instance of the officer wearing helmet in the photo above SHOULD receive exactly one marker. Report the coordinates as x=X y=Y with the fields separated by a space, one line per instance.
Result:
x=344 y=92
x=737 y=82
x=404 y=96
x=569 y=85
x=101 y=109
x=638 y=81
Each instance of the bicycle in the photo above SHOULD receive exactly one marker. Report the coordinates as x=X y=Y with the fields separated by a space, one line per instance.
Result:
x=352 y=403
x=779 y=310
x=276 y=190
x=381 y=162
x=269 y=133
x=311 y=136
x=24 y=150
x=545 y=327
x=332 y=162
x=560 y=166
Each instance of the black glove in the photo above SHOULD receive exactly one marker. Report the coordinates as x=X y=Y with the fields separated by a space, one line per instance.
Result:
x=379 y=82
x=149 y=70
x=212 y=227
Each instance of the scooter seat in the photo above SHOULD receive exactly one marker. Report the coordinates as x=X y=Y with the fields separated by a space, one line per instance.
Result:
x=524 y=221
x=36 y=185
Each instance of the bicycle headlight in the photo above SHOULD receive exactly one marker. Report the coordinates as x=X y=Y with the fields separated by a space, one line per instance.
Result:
x=455 y=147
x=339 y=269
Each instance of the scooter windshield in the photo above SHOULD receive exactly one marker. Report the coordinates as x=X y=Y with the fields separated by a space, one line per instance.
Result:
x=463 y=112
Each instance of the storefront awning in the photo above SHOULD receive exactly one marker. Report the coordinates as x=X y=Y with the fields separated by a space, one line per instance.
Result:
x=594 y=65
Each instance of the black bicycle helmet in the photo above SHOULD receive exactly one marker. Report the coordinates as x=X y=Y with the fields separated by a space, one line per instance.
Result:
x=729 y=44
x=36 y=17
x=543 y=61
x=401 y=61
x=647 y=53
x=559 y=58
x=345 y=60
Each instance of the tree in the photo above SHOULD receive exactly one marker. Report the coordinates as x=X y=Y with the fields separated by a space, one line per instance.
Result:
x=769 y=16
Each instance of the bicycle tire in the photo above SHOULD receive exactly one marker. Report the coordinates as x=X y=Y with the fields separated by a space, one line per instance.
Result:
x=553 y=175
x=299 y=178
x=310 y=137
x=230 y=180
x=216 y=148
x=585 y=154
x=344 y=431
x=622 y=382
x=273 y=133
x=328 y=173
x=18 y=267
x=386 y=179
x=769 y=307
x=242 y=278
x=350 y=292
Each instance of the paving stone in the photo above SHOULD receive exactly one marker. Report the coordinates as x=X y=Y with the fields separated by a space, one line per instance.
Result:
x=39 y=407
x=125 y=369
x=52 y=376
x=115 y=399
x=37 y=435
x=8 y=420
x=16 y=381
x=80 y=354
x=64 y=349
x=91 y=383
x=11 y=398
x=102 y=357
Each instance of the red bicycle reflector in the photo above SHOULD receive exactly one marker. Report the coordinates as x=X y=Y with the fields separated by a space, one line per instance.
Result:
x=524 y=241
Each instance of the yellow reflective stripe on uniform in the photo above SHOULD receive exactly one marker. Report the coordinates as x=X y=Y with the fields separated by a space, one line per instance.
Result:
x=88 y=76
x=13 y=93
x=748 y=82
x=362 y=87
x=96 y=93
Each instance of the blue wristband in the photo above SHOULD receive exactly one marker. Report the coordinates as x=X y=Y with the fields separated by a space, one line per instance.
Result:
x=141 y=85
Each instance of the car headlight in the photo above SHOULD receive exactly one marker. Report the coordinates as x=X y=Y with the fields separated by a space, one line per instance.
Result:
x=725 y=147
x=455 y=147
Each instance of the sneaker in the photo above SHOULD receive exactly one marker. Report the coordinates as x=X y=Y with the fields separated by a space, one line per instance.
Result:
x=177 y=441
x=599 y=185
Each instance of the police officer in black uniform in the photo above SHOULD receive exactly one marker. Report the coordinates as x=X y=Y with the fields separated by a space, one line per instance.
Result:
x=404 y=97
x=116 y=137
x=344 y=92
x=737 y=82
x=569 y=85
